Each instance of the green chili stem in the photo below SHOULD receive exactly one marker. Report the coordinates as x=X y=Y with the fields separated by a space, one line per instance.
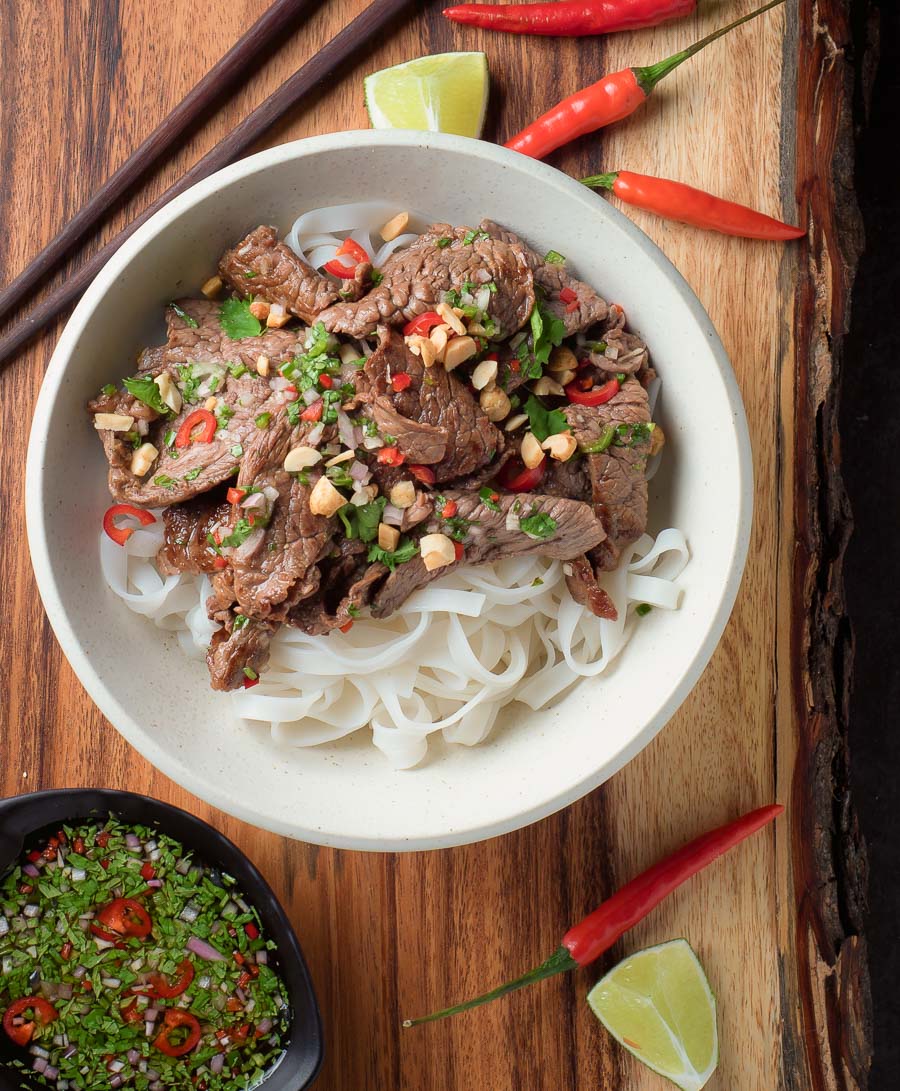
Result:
x=601 y=181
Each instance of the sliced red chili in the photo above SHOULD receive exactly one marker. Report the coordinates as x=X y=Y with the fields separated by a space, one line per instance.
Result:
x=251 y=930
x=120 y=535
x=599 y=395
x=313 y=412
x=102 y=839
x=422 y=324
x=148 y=871
x=132 y=1014
x=180 y=1033
x=458 y=550
x=126 y=917
x=249 y=683
x=352 y=249
x=78 y=846
x=516 y=477
x=425 y=474
x=346 y=628
x=449 y=509
x=401 y=381
x=567 y=295
x=220 y=563
x=24 y=1015
x=201 y=421
x=102 y=933
x=391 y=456
x=168 y=989
x=233 y=1004
x=66 y=951
x=326 y=381
x=234 y=496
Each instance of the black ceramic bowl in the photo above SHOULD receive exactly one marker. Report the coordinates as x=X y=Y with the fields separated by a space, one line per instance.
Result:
x=26 y=819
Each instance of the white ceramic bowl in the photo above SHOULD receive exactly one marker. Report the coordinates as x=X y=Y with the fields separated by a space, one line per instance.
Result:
x=346 y=795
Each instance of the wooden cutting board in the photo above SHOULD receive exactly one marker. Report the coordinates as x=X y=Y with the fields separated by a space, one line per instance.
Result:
x=763 y=118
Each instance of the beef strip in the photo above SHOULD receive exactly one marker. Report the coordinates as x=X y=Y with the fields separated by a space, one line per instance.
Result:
x=618 y=482
x=414 y=280
x=347 y=589
x=186 y=526
x=207 y=341
x=625 y=352
x=488 y=539
x=583 y=587
x=553 y=278
x=272 y=271
x=435 y=420
x=234 y=650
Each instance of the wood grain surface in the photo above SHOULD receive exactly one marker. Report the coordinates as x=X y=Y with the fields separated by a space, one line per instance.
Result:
x=762 y=117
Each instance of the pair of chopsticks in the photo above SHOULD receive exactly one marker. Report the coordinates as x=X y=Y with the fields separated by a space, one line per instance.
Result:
x=236 y=64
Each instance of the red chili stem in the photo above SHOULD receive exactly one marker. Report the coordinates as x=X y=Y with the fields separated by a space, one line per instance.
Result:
x=677 y=201
x=598 y=932
x=610 y=99
x=571 y=18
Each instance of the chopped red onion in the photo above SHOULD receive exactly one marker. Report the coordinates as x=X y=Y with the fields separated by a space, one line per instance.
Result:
x=65 y=991
x=202 y=948
x=4 y=925
x=116 y=1081
x=35 y=1050
x=78 y=875
x=70 y=1053
x=271 y=494
x=360 y=472
x=278 y=382
x=241 y=995
x=152 y=1075
x=262 y=958
x=133 y=1056
x=31 y=870
x=254 y=500
x=132 y=841
x=183 y=866
x=151 y=1015
x=310 y=396
x=372 y=443
x=39 y=1064
x=345 y=429
x=155 y=883
x=265 y=1025
x=315 y=435
x=31 y=911
x=51 y=1073
x=79 y=971
x=392 y=515
x=248 y=547
x=217 y=1064
x=110 y=982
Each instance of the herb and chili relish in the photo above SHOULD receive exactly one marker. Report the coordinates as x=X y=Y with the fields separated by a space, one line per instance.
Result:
x=124 y=963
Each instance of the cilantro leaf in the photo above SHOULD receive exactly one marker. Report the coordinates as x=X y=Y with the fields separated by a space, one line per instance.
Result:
x=544 y=422
x=537 y=524
x=237 y=321
x=555 y=258
x=489 y=498
x=240 y=534
x=362 y=522
x=185 y=317
x=405 y=551
x=471 y=236
x=146 y=391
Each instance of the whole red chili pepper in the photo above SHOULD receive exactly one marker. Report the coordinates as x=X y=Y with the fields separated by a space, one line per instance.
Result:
x=571 y=18
x=610 y=99
x=676 y=201
x=599 y=931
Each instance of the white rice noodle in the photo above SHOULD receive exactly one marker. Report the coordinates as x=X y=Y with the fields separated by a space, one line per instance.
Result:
x=317 y=235
x=451 y=657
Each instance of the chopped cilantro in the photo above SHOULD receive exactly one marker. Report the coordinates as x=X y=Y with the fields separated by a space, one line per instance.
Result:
x=544 y=422
x=457 y=526
x=164 y=481
x=362 y=521
x=190 y=383
x=377 y=277
x=169 y=437
x=353 y=610
x=443 y=242
x=405 y=551
x=489 y=498
x=262 y=421
x=621 y=377
x=237 y=321
x=537 y=582
x=547 y=332
x=237 y=368
x=241 y=532
x=293 y=413
x=339 y=476
x=642 y=609
x=191 y=474
x=250 y=673
x=555 y=258
x=146 y=391
x=240 y=621
x=224 y=413
x=109 y=390
x=537 y=524
x=250 y=276
x=237 y=450
x=184 y=316
x=471 y=236
x=491 y=287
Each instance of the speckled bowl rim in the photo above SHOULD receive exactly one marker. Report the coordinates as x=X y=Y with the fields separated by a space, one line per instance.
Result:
x=192 y=779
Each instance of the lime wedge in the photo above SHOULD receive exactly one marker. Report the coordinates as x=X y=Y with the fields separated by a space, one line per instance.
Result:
x=659 y=1005
x=444 y=93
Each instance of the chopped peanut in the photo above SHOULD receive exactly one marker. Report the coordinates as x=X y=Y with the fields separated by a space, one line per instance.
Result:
x=437 y=551
x=388 y=537
x=143 y=458
x=301 y=458
x=168 y=391
x=562 y=359
x=278 y=317
x=515 y=422
x=484 y=374
x=348 y=353
x=212 y=287
x=344 y=456
x=458 y=351
x=564 y=377
x=210 y=404
x=561 y=446
x=324 y=498
x=403 y=494
x=545 y=385
x=446 y=312
x=262 y=366
x=439 y=336
x=495 y=403
x=260 y=309
x=113 y=422
x=424 y=347
x=395 y=226
x=532 y=455
x=657 y=440
x=365 y=495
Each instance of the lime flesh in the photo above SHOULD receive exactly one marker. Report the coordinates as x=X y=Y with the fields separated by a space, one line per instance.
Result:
x=444 y=93
x=659 y=1006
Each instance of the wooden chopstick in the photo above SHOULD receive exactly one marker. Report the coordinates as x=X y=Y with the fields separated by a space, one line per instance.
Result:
x=221 y=78
x=353 y=38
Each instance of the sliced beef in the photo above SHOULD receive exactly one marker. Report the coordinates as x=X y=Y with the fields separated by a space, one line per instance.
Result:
x=569 y=479
x=414 y=280
x=625 y=352
x=271 y=271
x=347 y=590
x=232 y=650
x=208 y=342
x=186 y=526
x=435 y=420
x=552 y=279
x=583 y=587
x=488 y=538
x=618 y=481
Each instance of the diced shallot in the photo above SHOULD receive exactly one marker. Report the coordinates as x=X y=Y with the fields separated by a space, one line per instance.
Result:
x=360 y=472
x=315 y=434
x=311 y=395
x=392 y=515
x=204 y=950
x=345 y=429
x=217 y=1063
